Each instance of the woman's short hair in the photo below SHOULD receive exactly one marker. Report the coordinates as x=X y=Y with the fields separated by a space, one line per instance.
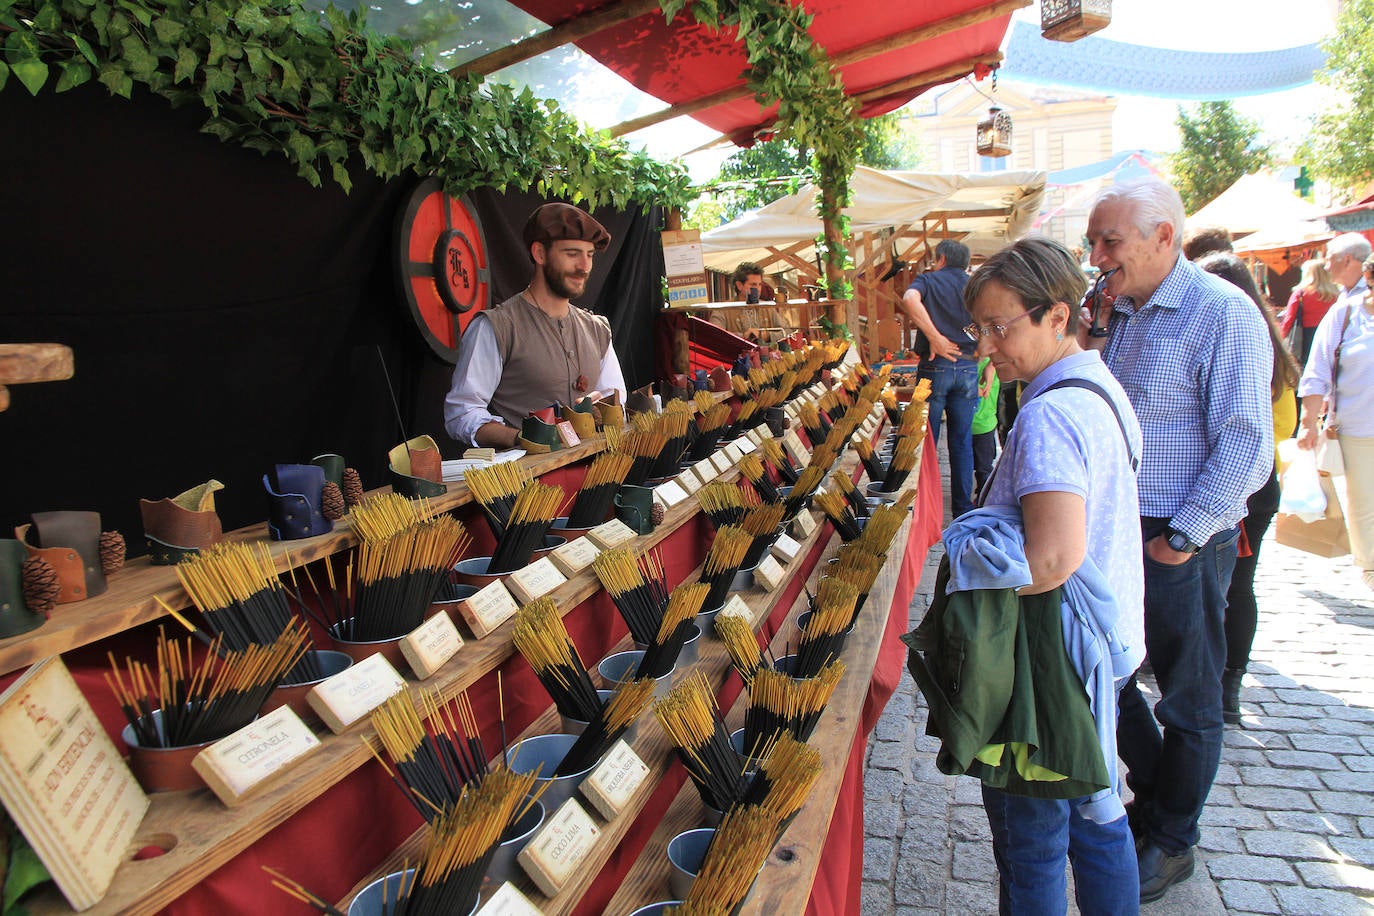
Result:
x=1038 y=270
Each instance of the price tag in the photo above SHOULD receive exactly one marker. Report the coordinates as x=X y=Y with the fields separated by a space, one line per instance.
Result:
x=669 y=493
x=735 y=607
x=566 y=434
x=539 y=578
x=613 y=782
x=234 y=766
x=785 y=548
x=487 y=609
x=508 y=901
x=429 y=645
x=354 y=692
x=731 y=451
x=705 y=470
x=689 y=481
x=769 y=573
x=745 y=445
x=612 y=534
x=793 y=444
x=574 y=556
x=721 y=461
x=805 y=523
x=560 y=846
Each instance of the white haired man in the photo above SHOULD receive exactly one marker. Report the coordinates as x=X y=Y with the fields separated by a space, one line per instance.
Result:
x=1194 y=357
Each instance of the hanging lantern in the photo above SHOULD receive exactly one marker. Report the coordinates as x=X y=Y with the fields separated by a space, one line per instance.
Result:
x=994 y=133
x=1070 y=20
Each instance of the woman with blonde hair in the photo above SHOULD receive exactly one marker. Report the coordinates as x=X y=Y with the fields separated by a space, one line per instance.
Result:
x=1315 y=293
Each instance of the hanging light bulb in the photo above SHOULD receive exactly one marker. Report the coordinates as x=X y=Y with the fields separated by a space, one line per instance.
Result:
x=1070 y=20
x=994 y=133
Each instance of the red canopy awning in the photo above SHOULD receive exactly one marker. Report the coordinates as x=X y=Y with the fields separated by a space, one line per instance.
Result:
x=684 y=62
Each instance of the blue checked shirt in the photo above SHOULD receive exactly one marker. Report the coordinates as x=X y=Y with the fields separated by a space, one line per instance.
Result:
x=1196 y=361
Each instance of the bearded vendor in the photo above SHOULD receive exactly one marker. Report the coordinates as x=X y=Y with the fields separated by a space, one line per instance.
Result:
x=536 y=348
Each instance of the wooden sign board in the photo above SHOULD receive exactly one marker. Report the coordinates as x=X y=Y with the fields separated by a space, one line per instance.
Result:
x=573 y=557
x=431 y=644
x=612 y=534
x=65 y=784
x=354 y=692
x=535 y=580
x=234 y=767
x=487 y=609
x=508 y=901
x=769 y=573
x=559 y=848
x=610 y=786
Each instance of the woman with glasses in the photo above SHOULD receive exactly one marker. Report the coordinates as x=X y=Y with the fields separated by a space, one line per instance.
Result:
x=1068 y=471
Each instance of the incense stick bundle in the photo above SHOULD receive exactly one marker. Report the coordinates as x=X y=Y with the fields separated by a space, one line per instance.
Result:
x=495 y=489
x=202 y=701
x=236 y=589
x=844 y=485
x=785 y=779
x=692 y=721
x=620 y=712
x=776 y=457
x=593 y=503
x=672 y=425
x=903 y=460
x=394 y=579
x=805 y=488
x=710 y=424
x=531 y=516
x=751 y=466
x=643 y=443
x=433 y=757
x=737 y=852
x=836 y=508
x=780 y=702
x=914 y=419
x=540 y=637
x=745 y=419
x=893 y=408
x=638 y=587
x=739 y=385
x=823 y=637
x=763 y=524
x=859 y=566
x=810 y=417
x=677 y=625
x=871 y=462
x=882 y=526
x=742 y=645
x=723 y=561
x=723 y=502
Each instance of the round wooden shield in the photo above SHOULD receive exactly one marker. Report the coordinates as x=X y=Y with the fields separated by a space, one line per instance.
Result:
x=441 y=265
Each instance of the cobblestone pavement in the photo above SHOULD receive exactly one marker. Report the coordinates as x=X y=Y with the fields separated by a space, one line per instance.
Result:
x=1289 y=825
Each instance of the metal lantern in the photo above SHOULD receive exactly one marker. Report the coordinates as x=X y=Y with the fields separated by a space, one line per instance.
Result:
x=1070 y=20
x=994 y=133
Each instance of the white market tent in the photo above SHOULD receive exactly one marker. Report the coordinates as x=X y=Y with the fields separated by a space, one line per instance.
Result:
x=1255 y=203
x=912 y=211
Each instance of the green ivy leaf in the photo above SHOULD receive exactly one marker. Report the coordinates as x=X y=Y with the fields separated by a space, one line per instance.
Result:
x=219 y=80
x=48 y=18
x=85 y=48
x=250 y=18
x=4 y=74
x=342 y=178
x=74 y=73
x=136 y=56
x=168 y=30
x=32 y=72
x=142 y=14
x=116 y=80
x=186 y=65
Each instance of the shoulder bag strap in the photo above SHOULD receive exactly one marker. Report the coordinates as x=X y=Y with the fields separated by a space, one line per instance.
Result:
x=1336 y=358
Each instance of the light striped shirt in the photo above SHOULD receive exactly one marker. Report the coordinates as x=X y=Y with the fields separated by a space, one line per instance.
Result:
x=1196 y=360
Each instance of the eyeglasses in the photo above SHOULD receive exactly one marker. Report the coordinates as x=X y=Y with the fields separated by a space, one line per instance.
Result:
x=975 y=332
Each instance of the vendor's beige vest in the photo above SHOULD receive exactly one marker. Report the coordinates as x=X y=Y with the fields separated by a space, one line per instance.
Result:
x=542 y=357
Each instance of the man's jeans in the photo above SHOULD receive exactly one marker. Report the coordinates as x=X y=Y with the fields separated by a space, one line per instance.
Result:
x=1185 y=640
x=954 y=395
x=1031 y=837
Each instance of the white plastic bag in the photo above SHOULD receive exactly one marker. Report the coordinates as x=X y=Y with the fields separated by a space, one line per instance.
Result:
x=1302 y=491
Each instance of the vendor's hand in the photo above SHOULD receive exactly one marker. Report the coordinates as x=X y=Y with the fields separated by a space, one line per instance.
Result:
x=1307 y=438
x=1157 y=548
x=944 y=347
x=984 y=388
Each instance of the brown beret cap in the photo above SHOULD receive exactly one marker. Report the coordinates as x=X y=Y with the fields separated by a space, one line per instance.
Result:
x=556 y=222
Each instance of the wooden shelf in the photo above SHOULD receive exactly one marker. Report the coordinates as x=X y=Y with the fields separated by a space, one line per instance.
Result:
x=133 y=593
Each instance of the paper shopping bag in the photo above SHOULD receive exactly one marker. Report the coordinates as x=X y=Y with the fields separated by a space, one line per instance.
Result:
x=1325 y=537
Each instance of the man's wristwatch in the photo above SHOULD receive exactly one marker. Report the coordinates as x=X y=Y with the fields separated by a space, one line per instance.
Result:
x=1178 y=541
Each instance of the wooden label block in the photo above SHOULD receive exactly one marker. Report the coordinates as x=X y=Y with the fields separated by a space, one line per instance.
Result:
x=559 y=847
x=354 y=692
x=614 y=781
x=721 y=461
x=745 y=445
x=612 y=534
x=429 y=645
x=731 y=451
x=735 y=607
x=793 y=445
x=689 y=481
x=508 y=901
x=486 y=610
x=64 y=782
x=793 y=409
x=566 y=434
x=769 y=573
x=480 y=454
x=574 y=556
x=236 y=765
x=785 y=548
x=806 y=524
x=705 y=470
x=539 y=578
x=669 y=493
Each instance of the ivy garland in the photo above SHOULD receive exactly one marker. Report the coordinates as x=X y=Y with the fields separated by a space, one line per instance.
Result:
x=318 y=88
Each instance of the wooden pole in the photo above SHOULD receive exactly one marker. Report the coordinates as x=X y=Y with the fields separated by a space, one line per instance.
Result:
x=928 y=78
x=682 y=346
x=566 y=33
x=834 y=241
x=37 y=362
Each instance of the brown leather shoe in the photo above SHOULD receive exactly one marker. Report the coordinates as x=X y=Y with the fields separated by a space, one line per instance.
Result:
x=1160 y=871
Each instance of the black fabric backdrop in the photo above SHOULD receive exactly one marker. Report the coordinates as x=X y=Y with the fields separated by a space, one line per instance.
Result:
x=224 y=315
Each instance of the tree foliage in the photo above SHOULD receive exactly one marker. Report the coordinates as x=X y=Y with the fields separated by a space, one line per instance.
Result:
x=1217 y=147
x=1340 y=147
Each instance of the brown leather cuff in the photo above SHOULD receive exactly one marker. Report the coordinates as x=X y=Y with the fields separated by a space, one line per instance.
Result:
x=71 y=546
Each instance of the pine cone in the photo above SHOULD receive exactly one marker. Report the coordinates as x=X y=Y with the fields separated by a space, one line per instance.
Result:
x=41 y=586
x=332 y=501
x=656 y=515
x=352 y=487
x=111 y=552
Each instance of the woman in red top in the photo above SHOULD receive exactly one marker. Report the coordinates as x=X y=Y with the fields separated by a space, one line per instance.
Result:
x=1314 y=294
